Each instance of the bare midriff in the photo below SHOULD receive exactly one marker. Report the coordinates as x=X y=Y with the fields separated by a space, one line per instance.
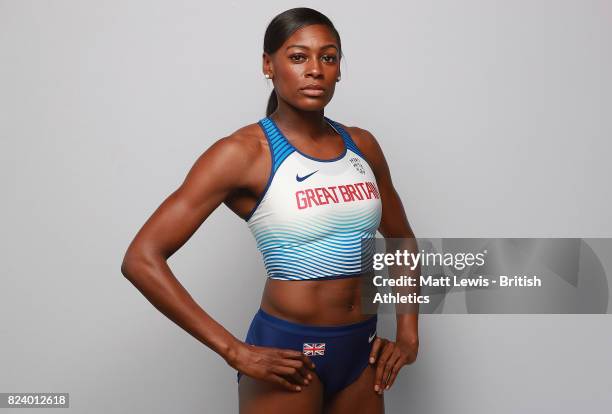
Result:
x=318 y=302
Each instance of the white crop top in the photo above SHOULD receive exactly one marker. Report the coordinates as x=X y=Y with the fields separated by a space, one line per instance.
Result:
x=316 y=218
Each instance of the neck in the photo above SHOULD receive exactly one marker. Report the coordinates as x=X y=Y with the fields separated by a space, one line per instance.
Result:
x=308 y=123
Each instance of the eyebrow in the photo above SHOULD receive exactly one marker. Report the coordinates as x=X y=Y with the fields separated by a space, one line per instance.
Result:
x=306 y=47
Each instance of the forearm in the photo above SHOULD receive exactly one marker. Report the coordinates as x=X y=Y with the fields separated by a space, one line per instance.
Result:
x=154 y=279
x=407 y=328
x=407 y=315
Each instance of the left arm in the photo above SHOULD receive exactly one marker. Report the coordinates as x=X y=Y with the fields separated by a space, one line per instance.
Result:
x=391 y=356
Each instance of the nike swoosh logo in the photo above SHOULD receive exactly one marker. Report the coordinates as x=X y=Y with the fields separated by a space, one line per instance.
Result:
x=371 y=338
x=297 y=177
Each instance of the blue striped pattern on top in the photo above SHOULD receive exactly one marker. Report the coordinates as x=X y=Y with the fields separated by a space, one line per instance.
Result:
x=319 y=247
x=280 y=147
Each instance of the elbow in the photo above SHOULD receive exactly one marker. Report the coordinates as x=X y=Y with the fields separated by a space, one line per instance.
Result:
x=139 y=263
x=127 y=267
x=132 y=264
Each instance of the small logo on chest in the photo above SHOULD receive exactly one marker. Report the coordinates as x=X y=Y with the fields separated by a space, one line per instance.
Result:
x=297 y=177
x=357 y=164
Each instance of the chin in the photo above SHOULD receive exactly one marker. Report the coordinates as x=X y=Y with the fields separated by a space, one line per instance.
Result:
x=312 y=104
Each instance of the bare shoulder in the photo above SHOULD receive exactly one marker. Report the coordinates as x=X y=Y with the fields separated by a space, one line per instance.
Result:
x=242 y=145
x=367 y=143
x=250 y=136
x=362 y=137
x=232 y=157
x=369 y=146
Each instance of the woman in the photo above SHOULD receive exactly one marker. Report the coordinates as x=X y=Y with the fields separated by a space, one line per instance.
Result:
x=312 y=191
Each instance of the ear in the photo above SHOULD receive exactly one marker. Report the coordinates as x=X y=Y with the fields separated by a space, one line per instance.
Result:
x=267 y=64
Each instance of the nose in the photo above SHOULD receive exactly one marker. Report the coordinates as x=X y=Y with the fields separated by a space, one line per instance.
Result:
x=314 y=68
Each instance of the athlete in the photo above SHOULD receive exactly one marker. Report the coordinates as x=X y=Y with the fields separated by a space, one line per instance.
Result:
x=313 y=192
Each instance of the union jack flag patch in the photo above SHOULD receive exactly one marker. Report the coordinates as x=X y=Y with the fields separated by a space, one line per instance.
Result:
x=311 y=349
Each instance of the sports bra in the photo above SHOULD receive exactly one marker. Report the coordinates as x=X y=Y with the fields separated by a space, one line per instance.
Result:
x=316 y=218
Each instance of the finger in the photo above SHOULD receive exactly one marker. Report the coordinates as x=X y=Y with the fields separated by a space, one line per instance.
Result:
x=303 y=370
x=290 y=353
x=297 y=377
x=396 y=368
x=300 y=365
x=395 y=356
x=284 y=383
x=292 y=374
x=308 y=361
x=381 y=364
x=298 y=360
x=376 y=346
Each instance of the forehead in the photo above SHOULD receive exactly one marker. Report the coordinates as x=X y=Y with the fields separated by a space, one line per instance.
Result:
x=312 y=36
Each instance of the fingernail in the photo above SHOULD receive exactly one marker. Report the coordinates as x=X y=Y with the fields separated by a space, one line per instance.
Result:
x=371 y=360
x=309 y=376
x=298 y=388
x=387 y=387
x=376 y=388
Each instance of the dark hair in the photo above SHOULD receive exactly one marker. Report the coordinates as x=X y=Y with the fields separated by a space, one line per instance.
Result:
x=283 y=26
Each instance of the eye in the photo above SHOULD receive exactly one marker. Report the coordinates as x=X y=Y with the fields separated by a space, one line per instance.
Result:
x=329 y=58
x=297 y=57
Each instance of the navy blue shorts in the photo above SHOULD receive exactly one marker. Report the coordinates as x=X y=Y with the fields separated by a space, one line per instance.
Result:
x=340 y=353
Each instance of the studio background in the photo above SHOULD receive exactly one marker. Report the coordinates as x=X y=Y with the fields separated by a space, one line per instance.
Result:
x=494 y=117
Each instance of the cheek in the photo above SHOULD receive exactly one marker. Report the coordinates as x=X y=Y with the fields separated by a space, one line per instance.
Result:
x=290 y=78
x=290 y=73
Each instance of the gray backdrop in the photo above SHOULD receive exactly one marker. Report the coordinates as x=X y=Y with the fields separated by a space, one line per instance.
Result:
x=494 y=117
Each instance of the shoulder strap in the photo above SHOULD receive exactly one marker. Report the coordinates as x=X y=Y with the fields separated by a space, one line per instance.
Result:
x=280 y=148
x=350 y=144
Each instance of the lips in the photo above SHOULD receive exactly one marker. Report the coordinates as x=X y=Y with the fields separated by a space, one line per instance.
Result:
x=313 y=87
x=313 y=90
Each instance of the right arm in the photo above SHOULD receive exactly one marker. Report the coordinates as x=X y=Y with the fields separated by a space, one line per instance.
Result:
x=219 y=171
